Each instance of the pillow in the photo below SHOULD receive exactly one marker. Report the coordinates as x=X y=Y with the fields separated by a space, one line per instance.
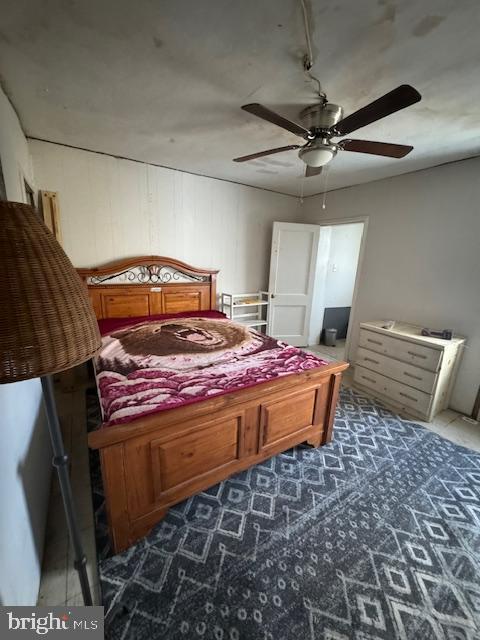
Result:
x=112 y=324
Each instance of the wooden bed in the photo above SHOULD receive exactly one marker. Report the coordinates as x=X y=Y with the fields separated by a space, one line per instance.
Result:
x=158 y=460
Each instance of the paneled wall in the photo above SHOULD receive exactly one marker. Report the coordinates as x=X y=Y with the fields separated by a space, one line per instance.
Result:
x=113 y=208
x=422 y=254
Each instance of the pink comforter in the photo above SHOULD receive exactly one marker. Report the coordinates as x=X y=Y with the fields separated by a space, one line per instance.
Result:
x=154 y=365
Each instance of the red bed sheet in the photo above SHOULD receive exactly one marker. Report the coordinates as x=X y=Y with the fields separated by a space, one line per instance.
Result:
x=112 y=324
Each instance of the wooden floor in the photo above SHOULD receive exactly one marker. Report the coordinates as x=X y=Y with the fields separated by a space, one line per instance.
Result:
x=59 y=584
x=328 y=353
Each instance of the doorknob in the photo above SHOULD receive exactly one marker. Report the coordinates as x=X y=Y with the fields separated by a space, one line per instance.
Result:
x=272 y=295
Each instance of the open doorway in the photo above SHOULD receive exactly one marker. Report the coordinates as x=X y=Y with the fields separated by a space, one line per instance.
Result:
x=339 y=255
x=313 y=282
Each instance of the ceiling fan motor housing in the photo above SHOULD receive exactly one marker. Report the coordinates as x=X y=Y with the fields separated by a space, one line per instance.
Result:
x=319 y=119
x=321 y=116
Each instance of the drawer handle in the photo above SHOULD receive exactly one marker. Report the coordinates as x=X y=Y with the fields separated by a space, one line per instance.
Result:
x=416 y=355
x=369 y=379
x=405 y=395
x=410 y=375
x=155 y=289
x=371 y=360
x=374 y=341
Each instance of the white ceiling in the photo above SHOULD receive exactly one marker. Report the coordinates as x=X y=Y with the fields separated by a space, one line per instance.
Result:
x=163 y=81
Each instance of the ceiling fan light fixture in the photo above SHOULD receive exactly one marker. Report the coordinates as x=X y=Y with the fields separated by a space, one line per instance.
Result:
x=317 y=155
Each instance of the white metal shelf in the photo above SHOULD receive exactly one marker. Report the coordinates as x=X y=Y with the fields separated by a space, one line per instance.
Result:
x=250 y=304
x=259 y=314
x=246 y=315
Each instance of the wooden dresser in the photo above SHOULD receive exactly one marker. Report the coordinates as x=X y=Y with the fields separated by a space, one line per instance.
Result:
x=411 y=372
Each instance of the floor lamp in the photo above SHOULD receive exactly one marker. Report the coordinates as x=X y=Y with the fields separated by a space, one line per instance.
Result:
x=47 y=325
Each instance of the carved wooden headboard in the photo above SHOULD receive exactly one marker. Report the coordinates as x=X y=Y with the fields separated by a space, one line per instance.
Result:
x=148 y=285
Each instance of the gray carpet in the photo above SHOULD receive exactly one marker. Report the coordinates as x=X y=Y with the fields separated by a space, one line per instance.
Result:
x=374 y=536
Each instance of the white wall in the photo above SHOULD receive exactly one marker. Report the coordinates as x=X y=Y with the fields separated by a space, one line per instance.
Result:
x=319 y=287
x=422 y=255
x=14 y=152
x=345 y=242
x=25 y=451
x=338 y=250
x=112 y=208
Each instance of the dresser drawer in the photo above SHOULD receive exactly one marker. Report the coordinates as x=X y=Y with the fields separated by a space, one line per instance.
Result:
x=410 y=398
x=370 y=379
x=417 y=354
x=401 y=371
x=401 y=394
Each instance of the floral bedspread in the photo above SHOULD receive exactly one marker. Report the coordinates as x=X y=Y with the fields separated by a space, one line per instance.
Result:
x=150 y=366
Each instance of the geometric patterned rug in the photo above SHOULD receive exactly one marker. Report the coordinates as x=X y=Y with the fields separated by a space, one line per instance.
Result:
x=376 y=535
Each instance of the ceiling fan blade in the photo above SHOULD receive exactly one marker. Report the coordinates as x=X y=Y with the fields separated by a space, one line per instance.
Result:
x=401 y=97
x=312 y=171
x=268 y=152
x=266 y=114
x=376 y=148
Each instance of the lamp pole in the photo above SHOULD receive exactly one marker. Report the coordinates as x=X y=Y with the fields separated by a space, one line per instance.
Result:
x=60 y=461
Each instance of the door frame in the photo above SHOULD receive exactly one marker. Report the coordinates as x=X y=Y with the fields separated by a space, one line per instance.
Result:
x=333 y=222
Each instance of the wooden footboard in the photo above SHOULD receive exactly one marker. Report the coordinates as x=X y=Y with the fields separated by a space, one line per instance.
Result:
x=157 y=461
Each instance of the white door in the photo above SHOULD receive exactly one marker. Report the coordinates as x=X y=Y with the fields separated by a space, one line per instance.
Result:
x=292 y=276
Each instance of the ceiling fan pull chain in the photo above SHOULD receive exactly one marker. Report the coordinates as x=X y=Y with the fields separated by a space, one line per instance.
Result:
x=302 y=185
x=325 y=184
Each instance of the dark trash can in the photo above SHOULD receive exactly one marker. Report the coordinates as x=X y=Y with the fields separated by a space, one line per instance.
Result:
x=330 y=337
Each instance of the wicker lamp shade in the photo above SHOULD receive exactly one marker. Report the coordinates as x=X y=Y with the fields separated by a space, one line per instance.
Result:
x=47 y=323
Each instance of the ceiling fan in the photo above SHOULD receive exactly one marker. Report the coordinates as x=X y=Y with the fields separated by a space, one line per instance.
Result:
x=325 y=121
